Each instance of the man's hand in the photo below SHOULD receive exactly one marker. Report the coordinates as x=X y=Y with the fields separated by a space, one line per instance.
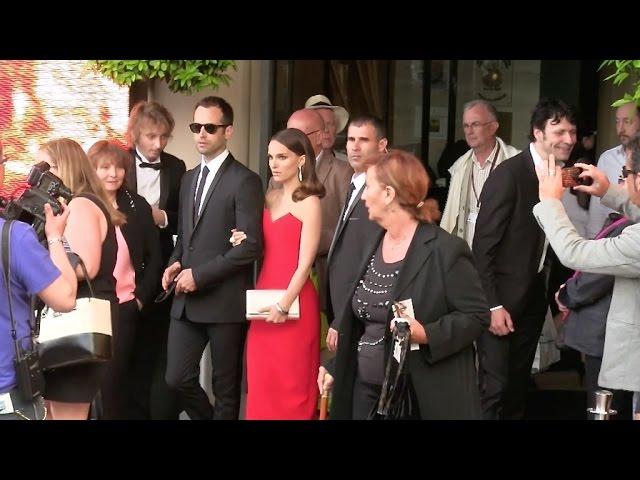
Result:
x=501 y=323
x=170 y=273
x=158 y=216
x=600 y=183
x=332 y=340
x=185 y=282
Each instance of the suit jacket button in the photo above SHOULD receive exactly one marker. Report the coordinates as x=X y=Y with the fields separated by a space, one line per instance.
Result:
x=191 y=249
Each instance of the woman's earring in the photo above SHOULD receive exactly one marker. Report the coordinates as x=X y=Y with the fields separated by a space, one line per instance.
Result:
x=300 y=172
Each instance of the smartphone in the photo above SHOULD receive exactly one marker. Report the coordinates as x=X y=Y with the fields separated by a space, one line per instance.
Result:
x=571 y=177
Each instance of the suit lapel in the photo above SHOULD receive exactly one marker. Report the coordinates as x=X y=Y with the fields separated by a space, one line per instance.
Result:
x=419 y=251
x=342 y=224
x=165 y=177
x=188 y=214
x=212 y=187
x=132 y=178
x=324 y=167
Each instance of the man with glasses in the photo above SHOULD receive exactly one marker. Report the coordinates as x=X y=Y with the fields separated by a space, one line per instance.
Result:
x=156 y=177
x=471 y=170
x=611 y=161
x=335 y=175
x=211 y=276
x=335 y=120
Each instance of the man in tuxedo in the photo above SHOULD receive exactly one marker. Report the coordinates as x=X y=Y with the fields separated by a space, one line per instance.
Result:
x=510 y=249
x=211 y=276
x=365 y=136
x=156 y=177
x=334 y=175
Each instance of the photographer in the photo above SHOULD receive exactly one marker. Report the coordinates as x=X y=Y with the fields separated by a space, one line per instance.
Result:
x=619 y=256
x=34 y=271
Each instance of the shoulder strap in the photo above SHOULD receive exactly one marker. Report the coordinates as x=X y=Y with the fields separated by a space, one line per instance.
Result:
x=6 y=265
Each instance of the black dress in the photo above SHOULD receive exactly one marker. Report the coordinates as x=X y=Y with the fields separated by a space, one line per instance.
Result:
x=80 y=383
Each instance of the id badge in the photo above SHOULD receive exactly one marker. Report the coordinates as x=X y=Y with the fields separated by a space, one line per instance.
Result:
x=473 y=217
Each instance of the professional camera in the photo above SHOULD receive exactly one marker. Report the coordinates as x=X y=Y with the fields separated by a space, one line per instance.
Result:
x=45 y=188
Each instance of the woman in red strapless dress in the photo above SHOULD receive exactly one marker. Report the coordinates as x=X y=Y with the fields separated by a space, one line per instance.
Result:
x=283 y=355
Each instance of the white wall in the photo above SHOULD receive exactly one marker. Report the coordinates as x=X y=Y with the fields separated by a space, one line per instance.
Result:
x=243 y=94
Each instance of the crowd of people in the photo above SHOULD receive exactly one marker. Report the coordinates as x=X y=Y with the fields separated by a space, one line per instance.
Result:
x=174 y=253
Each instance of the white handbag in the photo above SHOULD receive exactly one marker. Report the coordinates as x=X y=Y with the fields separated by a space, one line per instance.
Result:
x=82 y=335
x=258 y=299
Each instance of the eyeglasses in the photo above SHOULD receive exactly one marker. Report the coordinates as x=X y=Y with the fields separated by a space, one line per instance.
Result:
x=210 y=128
x=626 y=172
x=475 y=125
x=311 y=133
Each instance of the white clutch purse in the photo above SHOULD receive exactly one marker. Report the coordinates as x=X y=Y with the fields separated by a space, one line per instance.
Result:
x=258 y=299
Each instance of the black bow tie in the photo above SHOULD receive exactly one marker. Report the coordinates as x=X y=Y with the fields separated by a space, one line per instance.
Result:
x=155 y=166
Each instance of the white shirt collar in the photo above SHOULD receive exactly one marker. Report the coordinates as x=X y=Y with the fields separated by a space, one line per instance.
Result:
x=358 y=180
x=216 y=161
x=141 y=158
x=537 y=159
x=474 y=159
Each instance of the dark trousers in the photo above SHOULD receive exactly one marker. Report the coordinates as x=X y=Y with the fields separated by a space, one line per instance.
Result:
x=187 y=341
x=152 y=397
x=621 y=401
x=116 y=385
x=505 y=366
x=365 y=398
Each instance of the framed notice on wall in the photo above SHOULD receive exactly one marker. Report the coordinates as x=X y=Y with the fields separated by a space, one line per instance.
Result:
x=494 y=81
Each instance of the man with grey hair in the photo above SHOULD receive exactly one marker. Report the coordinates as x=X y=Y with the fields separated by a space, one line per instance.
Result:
x=471 y=170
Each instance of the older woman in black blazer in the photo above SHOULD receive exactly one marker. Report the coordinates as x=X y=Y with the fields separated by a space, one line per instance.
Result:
x=137 y=272
x=411 y=259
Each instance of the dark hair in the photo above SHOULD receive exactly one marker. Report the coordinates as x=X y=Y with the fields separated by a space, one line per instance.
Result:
x=551 y=110
x=108 y=152
x=634 y=147
x=405 y=173
x=296 y=141
x=152 y=111
x=221 y=103
x=381 y=131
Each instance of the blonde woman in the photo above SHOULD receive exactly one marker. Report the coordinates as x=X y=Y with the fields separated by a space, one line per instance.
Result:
x=91 y=235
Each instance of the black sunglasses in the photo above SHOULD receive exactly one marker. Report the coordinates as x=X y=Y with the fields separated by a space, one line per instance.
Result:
x=210 y=128
x=626 y=172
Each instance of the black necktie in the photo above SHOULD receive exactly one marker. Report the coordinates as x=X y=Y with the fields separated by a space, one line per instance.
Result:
x=352 y=187
x=196 y=205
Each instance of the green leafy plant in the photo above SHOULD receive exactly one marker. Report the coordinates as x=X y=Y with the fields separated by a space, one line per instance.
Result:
x=626 y=71
x=184 y=76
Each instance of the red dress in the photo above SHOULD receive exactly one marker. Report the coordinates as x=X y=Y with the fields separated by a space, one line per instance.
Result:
x=283 y=358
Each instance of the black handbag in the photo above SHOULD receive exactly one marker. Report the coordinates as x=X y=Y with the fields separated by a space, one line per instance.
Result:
x=397 y=399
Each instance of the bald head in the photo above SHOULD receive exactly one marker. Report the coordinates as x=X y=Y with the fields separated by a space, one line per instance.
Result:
x=310 y=122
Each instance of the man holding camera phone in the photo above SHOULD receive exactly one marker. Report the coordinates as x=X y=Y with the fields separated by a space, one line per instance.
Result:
x=33 y=271
x=510 y=249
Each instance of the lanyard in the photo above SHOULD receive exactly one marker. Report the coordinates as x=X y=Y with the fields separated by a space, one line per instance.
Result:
x=493 y=164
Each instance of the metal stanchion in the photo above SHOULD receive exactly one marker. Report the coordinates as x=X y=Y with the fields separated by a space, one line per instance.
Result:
x=602 y=406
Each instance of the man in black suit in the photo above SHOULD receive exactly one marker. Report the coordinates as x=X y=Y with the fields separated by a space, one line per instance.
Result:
x=365 y=135
x=156 y=176
x=510 y=249
x=211 y=275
